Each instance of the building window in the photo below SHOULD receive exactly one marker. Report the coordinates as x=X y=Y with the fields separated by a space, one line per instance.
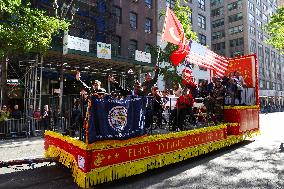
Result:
x=170 y=3
x=258 y=23
x=264 y=7
x=216 y=2
x=218 y=23
x=148 y=3
x=202 y=39
x=132 y=48
x=236 y=29
x=258 y=2
x=133 y=20
x=259 y=35
x=236 y=53
x=235 y=5
x=257 y=12
x=251 y=18
x=236 y=42
x=201 y=21
x=116 y=13
x=201 y=4
x=218 y=46
x=217 y=12
x=116 y=45
x=218 y=34
x=147 y=48
x=252 y=30
x=252 y=46
x=264 y=17
x=251 y=6
x=148 y=25
x=235 y=17
x=260 y=50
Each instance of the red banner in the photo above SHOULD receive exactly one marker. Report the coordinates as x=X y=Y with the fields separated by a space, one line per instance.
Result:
x=87 y=159
x=130 y=153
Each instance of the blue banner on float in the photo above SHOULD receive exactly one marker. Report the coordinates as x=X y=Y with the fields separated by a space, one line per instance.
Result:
x=116 y=119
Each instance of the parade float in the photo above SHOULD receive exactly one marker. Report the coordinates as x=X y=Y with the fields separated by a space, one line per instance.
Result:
x=116 y=144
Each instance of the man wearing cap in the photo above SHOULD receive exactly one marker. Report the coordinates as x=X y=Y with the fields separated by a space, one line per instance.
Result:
x=149 y=81
x=96 y=88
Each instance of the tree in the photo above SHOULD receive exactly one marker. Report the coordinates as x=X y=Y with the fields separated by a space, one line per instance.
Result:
x=183 y=13
x=275 y=30
x=24 y=29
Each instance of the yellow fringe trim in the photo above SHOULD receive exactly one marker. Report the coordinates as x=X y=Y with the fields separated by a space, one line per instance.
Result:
x=233 y=124
x=241 y=107
x=117 y=171
x=109 y=144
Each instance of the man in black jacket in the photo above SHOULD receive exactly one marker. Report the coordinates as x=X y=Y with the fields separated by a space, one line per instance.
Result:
x=149 y=81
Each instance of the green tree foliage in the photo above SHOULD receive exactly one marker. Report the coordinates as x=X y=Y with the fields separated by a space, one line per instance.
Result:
x=26 y=29
x=275 y=30
x=183 y=13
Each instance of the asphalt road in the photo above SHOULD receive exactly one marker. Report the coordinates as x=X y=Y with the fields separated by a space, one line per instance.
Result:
x=258 y=163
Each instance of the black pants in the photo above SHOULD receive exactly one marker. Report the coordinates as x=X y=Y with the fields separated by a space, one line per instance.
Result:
x=177 y=117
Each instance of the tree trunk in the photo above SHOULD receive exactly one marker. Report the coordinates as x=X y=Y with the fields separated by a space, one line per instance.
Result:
x=4 y=88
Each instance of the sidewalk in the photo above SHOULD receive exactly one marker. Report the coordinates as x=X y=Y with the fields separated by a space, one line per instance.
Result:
x=18 y=149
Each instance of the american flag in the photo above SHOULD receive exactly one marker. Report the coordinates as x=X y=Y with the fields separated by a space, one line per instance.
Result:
x=203 y=57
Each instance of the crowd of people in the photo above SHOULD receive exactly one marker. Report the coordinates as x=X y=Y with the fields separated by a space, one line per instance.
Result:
x=183 y=99
x=186 y=100
x=32 y=116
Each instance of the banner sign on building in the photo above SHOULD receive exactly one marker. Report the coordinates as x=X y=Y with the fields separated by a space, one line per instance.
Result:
x=103 y=50
x=142 y=56
x=76 y=43
x=120 y=119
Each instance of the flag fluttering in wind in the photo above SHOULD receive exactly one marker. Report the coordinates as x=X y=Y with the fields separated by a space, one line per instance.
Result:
x=193 y=52
x=206 y=58
x=173 y=30
x=179 y=55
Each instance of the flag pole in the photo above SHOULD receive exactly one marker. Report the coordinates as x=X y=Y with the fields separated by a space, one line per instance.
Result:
x=163 y=32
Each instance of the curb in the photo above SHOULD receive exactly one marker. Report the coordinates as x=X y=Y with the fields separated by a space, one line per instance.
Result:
x=25 y=161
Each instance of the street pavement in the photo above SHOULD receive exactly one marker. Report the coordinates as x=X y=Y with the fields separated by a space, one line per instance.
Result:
x=257 y=163
x=25 y=148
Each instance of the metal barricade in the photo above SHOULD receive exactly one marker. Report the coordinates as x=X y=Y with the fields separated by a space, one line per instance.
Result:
x=12 y=128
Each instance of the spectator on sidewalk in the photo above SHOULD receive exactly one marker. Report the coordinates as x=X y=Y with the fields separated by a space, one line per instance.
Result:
x=46 y=118
x=16 y=113
x=29 y=116
x=4 y=113
x=37 y=114
x=30 y=112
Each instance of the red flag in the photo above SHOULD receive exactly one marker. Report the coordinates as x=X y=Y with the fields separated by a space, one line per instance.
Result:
x=173 y=30
x=178 y=55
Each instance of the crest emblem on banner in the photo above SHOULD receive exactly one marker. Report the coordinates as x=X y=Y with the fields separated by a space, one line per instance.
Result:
x=117 y=118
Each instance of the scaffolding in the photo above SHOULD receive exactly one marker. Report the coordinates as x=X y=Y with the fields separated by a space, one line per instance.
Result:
x=32 y=82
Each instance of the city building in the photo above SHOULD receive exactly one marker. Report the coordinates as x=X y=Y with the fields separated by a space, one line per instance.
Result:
x=280 y=3
x=126 y=25
x=200 y=20
x=237 y=29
